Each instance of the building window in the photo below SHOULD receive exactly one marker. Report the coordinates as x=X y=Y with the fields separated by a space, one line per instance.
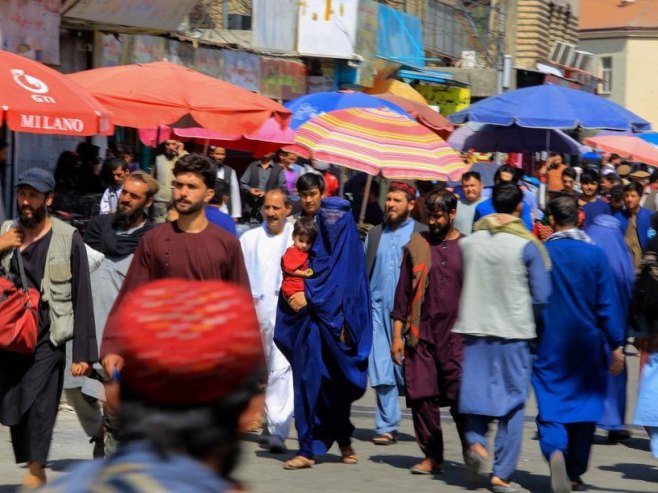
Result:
x=606 y=75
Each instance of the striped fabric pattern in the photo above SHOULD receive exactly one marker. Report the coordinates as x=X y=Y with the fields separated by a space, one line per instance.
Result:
x=377 y=140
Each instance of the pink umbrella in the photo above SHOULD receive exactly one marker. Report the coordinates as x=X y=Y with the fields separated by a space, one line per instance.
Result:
x=627 y=146
x=268 y=138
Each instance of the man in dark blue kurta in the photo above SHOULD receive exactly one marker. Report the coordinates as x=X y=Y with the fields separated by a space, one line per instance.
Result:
x=583 y=324
x=329 y=338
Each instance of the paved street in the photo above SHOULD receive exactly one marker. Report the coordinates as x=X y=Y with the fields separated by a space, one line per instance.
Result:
x=623 y=468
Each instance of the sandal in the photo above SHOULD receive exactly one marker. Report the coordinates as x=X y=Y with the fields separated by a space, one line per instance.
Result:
x=427 y=466
x=507 y=488
x=559 y=479
x=388 y=438
x=348 y=456
x=298 y=462
x=475 y=463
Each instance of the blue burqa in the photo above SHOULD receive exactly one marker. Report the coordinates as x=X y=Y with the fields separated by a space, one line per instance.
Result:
x=605 y=231
x=328 y=342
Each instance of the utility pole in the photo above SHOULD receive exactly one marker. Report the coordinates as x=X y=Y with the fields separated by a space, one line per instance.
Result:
x=500 y=43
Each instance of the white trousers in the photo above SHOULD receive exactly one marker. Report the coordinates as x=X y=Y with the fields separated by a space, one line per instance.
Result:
x=279 y=402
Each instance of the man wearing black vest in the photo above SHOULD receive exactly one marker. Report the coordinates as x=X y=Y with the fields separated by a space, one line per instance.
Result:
x=384 y=250
x=259 y=177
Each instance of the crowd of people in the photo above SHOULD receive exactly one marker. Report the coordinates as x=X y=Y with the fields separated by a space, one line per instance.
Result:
x=461 y=296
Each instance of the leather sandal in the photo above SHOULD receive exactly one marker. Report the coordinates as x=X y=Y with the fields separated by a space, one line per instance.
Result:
x=427 y=466
x=388 y=438
x=348 y=456
x=298 y=462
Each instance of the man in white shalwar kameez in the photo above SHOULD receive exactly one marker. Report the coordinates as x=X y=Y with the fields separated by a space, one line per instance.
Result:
x=263 y=248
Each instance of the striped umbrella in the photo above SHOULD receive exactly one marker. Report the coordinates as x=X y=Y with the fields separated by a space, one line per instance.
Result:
x=379 y=140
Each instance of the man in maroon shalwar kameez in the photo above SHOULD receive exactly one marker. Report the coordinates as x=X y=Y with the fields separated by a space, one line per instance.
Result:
x=426 y=306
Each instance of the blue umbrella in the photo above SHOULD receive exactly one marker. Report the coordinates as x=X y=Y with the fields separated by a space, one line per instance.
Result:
x=551 y=106
x=495 y=138
x=650 y=137
x=306 y=107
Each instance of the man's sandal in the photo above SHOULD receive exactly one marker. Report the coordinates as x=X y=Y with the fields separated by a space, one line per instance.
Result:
x=298 y=462
x=348 y=456
x=388 y=438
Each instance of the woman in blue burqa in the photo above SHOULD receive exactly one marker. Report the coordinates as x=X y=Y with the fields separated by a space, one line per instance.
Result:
x=328 y=336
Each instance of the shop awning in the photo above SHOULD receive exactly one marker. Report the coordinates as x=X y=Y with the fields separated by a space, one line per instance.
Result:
x=428 y=75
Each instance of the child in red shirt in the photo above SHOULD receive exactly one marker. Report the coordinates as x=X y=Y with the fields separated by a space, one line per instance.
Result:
x=294 y=262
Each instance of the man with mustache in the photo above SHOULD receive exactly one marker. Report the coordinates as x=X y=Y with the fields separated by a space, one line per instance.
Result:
x=55 y=262
x=173 y=150
x=115 y=236
x=188 y=248
x=425 y=309
x=263 y=248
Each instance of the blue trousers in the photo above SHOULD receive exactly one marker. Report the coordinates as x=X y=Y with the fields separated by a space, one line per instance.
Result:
x=507 y=443
x=387 y=415
x=574 y=440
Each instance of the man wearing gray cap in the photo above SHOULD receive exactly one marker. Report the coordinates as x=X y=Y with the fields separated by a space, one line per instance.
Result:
x=55 y=262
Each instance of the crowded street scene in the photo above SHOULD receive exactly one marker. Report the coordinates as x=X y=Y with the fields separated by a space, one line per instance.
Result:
x=356 y=245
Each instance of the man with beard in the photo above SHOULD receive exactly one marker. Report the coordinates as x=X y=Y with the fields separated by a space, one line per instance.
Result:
x=163 y=172
x=263 y=248
x=505 y=284
x=188 y=248
x=426 y=304
x=228 y=174
x=116 y=236
x=384 y=249
x=55 y=263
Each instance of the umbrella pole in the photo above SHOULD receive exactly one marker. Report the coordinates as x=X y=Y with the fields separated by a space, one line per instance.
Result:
x=364 y=201
x=343 y=179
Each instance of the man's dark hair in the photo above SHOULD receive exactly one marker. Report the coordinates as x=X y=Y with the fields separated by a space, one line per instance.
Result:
x=308 y=181
x=306 y=226
x=589 y=176
x=616 y=193
x=471 y=174
x=614 y=156
x=569 y=172
x=636 y=187
x=199 y=164
x=118 y=163
x=653 y=177
x=222 y=189
x=506 y=197
x=564 y=211
x=203 y=432
x=506 y=168
x=440 y=201
x=612 y=178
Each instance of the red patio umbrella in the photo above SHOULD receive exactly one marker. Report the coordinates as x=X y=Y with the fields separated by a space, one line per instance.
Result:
x=35 y=98
x=627 y=146
x=163 y=93
x=268 y=138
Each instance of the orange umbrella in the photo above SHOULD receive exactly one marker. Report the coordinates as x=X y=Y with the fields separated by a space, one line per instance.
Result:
x=634 y=148
x=425 y=115
x=37 y=99
x=163 y=93
x=397 y=88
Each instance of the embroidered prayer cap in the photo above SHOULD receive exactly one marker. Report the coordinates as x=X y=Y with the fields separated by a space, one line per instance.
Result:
x=187 y=343
x=404 y=187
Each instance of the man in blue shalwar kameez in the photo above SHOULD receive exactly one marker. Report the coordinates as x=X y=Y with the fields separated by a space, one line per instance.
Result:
x=384 y=249
x=583 y=324
x=328 y=339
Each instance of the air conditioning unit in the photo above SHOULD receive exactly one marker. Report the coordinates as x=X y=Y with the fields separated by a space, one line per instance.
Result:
x=469 y=59
x=583 y=60
x=562 y=53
